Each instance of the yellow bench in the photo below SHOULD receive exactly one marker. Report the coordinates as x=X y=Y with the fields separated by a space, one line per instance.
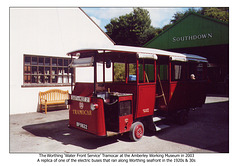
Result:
x=52 y=97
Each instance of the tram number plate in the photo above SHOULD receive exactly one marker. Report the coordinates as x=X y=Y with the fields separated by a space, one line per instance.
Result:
x=81 y=125
x=80 y=98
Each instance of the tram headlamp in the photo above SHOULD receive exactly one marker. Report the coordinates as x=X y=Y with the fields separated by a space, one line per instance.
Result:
x=94 y=106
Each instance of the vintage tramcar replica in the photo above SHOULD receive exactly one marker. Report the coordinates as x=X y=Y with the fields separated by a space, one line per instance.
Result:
x=146 y=87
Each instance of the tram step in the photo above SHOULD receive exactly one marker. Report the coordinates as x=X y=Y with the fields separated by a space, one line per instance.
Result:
x=111 y=133
x=158 y=118
x=161 y=127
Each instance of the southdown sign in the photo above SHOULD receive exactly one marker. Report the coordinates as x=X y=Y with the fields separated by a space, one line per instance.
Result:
x=192 y=37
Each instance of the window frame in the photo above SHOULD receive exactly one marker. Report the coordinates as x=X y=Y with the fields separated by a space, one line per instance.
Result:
x=42 y=77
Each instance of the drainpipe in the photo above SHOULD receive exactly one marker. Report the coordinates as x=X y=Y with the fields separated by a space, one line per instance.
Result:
x=95 y=75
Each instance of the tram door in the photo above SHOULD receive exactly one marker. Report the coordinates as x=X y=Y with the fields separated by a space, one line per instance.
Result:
x=146 y=88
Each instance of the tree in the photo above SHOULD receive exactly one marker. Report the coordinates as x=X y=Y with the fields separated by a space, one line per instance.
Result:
x=149 y=34
x=219 y=13
x=177 y=16
x=131 y=29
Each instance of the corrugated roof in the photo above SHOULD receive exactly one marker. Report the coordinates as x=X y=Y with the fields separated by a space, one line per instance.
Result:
x=186 y=31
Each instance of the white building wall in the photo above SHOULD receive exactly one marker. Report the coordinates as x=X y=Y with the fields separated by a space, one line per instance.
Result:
x=47 y=32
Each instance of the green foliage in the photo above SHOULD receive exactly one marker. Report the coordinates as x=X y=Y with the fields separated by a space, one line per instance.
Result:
x=177 y=16
x=132 y=69
x=119 y=72
x=220 y=13
x=131 y=29
x=148 y=34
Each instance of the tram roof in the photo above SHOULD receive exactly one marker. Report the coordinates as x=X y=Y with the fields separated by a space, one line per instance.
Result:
x=142 y=52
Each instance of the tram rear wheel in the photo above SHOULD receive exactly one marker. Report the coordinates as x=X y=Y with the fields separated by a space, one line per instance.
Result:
x=136 y=131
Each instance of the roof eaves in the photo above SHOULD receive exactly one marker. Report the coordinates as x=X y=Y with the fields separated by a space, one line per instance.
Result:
x=98 y=27
x=209 y=18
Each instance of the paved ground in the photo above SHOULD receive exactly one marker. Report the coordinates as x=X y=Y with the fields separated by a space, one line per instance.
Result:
x=207 y=131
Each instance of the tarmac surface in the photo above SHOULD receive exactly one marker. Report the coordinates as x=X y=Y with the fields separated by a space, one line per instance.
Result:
x=207 y=131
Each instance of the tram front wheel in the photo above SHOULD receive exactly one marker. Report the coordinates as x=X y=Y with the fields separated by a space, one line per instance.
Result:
x=136 y=131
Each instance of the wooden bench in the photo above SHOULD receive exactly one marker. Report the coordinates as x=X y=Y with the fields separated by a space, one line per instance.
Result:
x=52 y=97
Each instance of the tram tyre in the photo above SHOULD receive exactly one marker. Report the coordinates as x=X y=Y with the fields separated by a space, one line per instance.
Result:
x=136 y=131
x=182 y=117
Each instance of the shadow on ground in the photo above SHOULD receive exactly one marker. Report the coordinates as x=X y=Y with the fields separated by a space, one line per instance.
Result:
x=59 y=131
x=208 y=128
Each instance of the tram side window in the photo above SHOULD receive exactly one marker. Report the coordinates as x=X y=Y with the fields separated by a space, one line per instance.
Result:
x=149 y=70
x=197 y=70
x=119 y=72
x=140 y=68
x=177 y=72
x=200 y=74
x=132 y=72
x=146 y=71
x=162 y=72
